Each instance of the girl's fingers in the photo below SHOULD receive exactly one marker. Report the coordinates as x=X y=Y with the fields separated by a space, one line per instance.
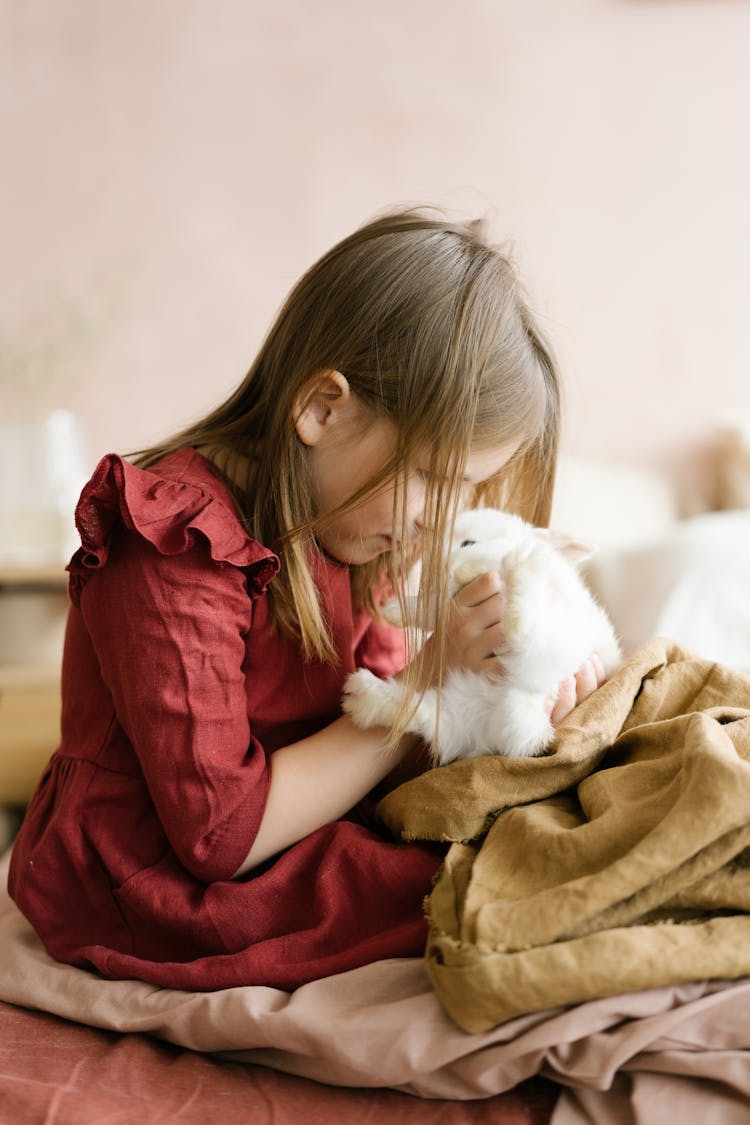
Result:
x=475 y=619
x=486 y=647
x=475 y=629
x=565 y=702
x=479 y=590
x=575 y=689
x=586 y=681
x=601 y=675
x=482 y=651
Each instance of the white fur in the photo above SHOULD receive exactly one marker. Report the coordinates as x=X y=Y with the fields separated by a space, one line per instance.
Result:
x=552 y=624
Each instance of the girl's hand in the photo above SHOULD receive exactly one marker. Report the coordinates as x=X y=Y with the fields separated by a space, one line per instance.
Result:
x=588 y=678
x=474 y=629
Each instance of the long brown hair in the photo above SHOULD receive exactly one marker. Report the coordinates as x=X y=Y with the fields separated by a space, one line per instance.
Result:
x=427 y=321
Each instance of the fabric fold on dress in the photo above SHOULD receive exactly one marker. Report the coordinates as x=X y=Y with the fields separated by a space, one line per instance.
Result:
x=169 y=514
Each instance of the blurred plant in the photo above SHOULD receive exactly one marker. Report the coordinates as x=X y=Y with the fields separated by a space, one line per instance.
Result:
x=43 y=359
x=45 y=354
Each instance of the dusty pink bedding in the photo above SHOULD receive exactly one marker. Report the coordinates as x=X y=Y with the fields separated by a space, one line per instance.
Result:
x=669 y=1053
x=52 y=1070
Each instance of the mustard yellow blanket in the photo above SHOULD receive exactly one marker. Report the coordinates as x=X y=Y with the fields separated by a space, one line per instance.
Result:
x=618 y=862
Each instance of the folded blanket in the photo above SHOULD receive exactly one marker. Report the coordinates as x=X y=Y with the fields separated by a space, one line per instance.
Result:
x=620 y=861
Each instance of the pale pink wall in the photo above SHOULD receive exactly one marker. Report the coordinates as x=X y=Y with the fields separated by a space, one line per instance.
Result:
x=171 y=166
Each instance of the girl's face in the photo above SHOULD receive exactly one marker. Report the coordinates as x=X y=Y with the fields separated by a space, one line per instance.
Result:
x=348 y=445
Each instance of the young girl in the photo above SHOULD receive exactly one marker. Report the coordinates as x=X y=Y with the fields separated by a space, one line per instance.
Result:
x=203 y=823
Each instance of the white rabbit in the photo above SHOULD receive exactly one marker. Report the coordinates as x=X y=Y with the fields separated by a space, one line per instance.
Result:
x=551 y=622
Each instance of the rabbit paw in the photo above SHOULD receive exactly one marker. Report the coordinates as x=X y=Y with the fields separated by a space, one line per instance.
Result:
x=369 y=701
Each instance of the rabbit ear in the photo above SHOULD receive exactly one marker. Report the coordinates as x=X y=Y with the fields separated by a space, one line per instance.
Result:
x=574 y=550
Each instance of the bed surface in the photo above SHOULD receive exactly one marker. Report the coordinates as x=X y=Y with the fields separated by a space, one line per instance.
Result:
x=57 y=1071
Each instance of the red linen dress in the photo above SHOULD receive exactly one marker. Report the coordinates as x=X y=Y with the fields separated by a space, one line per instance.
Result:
x=175 y=692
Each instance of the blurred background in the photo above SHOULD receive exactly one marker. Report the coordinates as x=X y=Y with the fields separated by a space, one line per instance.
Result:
x=170 y=168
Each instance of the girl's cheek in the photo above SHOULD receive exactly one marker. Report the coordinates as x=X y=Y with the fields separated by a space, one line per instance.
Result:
x=468 y=492
x=416 y=498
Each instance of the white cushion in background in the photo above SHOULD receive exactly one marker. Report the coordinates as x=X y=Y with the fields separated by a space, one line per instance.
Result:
x=692 y=584
x=611 y=504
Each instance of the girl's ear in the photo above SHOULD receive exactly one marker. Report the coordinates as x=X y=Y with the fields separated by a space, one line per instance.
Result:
x=318 y=404
x=574 y=550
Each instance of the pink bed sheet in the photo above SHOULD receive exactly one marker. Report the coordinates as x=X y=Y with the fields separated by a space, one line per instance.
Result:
x=53 y=1070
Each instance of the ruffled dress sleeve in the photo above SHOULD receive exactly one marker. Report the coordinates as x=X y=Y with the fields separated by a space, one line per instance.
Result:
x=165 y=582
x=172 y=515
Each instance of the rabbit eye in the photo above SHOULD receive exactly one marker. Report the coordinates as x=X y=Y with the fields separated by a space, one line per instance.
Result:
x=468 y=542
